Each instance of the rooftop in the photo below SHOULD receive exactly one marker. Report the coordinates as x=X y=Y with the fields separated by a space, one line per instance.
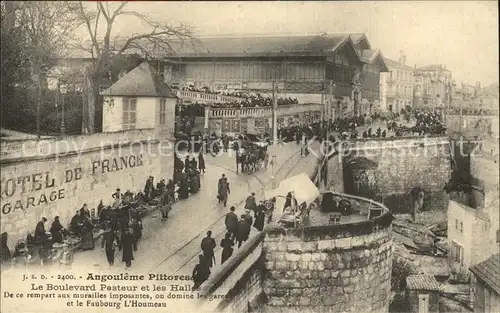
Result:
x=433 y=67
x=422 y=282
x=142 y=81
x=489 y=272
x=259 y=46
x=392 y=63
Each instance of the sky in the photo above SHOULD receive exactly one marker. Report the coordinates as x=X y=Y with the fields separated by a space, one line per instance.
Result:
x=463 y=35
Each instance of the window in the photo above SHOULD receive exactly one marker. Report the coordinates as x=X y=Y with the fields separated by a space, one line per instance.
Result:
x=163 y=111
x=459 y=226
x=129 y=112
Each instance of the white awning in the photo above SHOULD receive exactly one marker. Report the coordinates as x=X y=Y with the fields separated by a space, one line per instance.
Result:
x=301 y=185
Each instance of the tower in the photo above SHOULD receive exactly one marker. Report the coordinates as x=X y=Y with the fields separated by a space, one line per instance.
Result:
x=402 y=58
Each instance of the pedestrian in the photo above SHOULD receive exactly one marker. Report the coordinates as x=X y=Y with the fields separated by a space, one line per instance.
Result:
x=57 y=231
x=248 y=217
x=201 y=272
x=166 y=204
x=201 y=162
x=241 y=235
x=231 y=222
x=223 y=190
x=250 y=203
x=227 y=247
x=288 y=201
x=109 y=243
x=127 y=246
x=207 y=246
x=259 y=220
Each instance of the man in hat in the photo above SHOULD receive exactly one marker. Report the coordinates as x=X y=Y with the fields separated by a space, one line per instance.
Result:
x=149 y=188
x=232 y=222
x=109 y=243
x=117 y=194
x=250 y=203
x=207 y=246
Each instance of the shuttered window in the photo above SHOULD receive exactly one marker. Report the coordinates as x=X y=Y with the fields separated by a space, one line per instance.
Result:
x=129 y=112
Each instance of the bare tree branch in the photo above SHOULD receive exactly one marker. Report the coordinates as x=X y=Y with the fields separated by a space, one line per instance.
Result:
x=160 y=35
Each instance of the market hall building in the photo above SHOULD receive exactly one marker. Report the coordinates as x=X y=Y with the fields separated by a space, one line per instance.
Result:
x=339 y=73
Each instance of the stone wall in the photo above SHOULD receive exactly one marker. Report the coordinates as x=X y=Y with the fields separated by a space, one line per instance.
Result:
x=237 y=283
x=480 y=125
x=57 y=185
x=388 y=169
x=334 y=268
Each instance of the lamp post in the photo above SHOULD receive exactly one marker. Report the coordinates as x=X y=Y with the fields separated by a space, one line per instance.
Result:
x=63 y=89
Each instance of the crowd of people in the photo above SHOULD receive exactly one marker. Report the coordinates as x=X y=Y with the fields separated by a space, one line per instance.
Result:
x=237 y=232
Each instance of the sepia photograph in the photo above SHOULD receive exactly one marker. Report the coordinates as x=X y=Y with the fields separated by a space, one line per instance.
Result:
x=249 y=156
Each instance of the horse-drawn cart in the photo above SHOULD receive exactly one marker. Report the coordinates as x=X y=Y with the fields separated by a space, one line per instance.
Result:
x=253 y=156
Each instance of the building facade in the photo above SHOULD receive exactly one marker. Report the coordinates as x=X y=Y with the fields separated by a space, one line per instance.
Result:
x=397 y=86
x=375 y=66
x=486 y=285
x=313 y=69
x=476 y=218
x=139 y=100
x=432 y=86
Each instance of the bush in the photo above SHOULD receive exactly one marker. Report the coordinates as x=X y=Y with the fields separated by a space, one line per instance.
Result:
x=401 y=269
x=399 y=304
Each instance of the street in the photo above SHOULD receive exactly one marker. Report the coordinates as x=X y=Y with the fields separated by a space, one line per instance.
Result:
x=172 y=246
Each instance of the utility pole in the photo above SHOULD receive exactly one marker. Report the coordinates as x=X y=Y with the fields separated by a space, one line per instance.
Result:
x=275 y=110
x=323 y=108
x=331 y=108
x=273 y=168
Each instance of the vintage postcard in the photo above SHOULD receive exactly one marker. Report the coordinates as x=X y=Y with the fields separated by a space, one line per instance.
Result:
x=185 y=156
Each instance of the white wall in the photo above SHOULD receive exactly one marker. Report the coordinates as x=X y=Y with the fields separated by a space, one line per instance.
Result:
x=464 y=238
x=383 y=91
x=60 y=185
x=146 y=112
x=147 y=116
x=167 y=130
x=112 y=116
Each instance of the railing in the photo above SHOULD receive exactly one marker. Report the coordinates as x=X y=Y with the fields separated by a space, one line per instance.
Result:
x=202 y=96
x=263 y=111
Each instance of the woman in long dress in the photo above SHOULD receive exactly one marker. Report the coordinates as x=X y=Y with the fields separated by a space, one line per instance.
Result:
x=87 y=234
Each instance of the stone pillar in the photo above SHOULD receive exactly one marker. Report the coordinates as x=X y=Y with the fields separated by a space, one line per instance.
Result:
x=207 y=117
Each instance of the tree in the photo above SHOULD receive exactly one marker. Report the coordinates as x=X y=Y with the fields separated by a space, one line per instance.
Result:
x=104 y=46
x=34 y=34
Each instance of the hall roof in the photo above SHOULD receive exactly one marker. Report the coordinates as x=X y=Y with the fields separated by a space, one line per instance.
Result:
x=262 y=46
x=489 y=272
x=370 y=56
x=142 y=81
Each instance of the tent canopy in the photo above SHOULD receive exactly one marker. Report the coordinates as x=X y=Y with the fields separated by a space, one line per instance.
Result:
x=301 y=185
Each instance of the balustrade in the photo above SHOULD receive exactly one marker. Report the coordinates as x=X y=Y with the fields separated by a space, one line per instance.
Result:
x=202 y=96
x=263 y=111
